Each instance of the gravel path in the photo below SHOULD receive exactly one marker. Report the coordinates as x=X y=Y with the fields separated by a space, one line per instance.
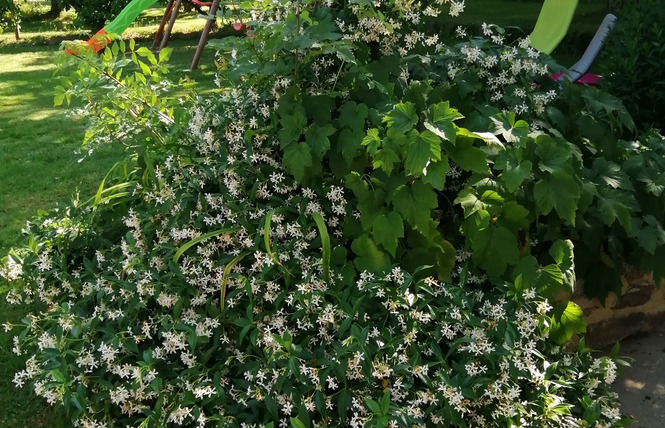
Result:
x=641 y=387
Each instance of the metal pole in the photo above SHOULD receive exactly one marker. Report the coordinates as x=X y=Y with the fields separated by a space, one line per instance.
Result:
x=165 y=18
x=204 y=35
x=167 y=33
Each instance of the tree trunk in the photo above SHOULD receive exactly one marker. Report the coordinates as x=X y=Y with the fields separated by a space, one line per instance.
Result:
x=55 y=9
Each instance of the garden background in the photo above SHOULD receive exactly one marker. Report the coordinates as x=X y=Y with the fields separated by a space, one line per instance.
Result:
x=39 y=143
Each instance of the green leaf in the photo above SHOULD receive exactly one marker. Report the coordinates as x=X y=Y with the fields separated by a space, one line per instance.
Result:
x=317 y=138
x=319 y=108
x=373 y=406
x=343 y=399
x=571 y=322
x=513 y=177
x=203 y=237
x=435 y=173
x=145 y=68
x=323 y=29
x=415 y=204
x=165 y=54
x=402 y=117
x=553 y=157
x=549 y=281
x=424 y=146
x=611 y=174
x=560 y=192
x=372 y=141
x=266 y=237
x=58 y=376
x=440 y=121
x=385 y=159
x=143 y=51
x=650 y=235
x=468 y=157
x=297 y=157
x=325 y=243
x=370 y=257
x=292 y=127
x=353 y=116
x=469 y=200
x=348 y=142
x=515 y=170
x=512 y=131
x=562 y=253
x=475 y=222
x=296 y=423
x=514 y=216
x=617 y=205
x=387 y=229
x=525 y=273
x=385 y=402
x=494 y=248
x=271 y=406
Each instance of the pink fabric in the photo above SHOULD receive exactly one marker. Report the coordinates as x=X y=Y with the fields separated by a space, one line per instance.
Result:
x=586 y=79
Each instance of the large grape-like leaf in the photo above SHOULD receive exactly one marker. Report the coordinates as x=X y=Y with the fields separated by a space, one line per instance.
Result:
x=553 y=156
x=423 y=147
x=571 y=322
x=494 y=248
x=435 y=173
x=617 y=205
x=559 y=191
x=415 y=203
x=370 y=257
x=515 y=170
x=562 y=253
x=402 y=117
x=297 y=157
x=317 y=138
x=513 y=131
x=387 y=229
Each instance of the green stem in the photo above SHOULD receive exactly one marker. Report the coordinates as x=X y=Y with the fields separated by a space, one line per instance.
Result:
x=338 y=73
x=296 y=65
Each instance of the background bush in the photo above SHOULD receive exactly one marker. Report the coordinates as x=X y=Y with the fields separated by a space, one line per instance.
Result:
x=93 y=14
x=633 y=61
x=9 y=15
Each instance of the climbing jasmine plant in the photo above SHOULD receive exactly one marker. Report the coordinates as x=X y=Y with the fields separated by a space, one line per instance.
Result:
x=327 y=241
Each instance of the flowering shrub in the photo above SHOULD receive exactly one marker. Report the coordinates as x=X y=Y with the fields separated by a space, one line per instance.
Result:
x=386 y=351
x=328 y=241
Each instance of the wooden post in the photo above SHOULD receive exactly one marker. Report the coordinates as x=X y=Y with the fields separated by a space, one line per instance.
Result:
x=167 y=33
x=204 y=35
x=165 y=18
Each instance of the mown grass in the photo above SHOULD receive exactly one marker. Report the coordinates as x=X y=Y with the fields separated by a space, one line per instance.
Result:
x=42 y=168
x=38 y=143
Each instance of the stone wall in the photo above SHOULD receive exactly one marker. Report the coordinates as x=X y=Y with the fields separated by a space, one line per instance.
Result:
x=641 y=308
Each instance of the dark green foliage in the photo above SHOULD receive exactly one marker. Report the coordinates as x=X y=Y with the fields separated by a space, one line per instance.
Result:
x=10 y=15
x=93 y=14
x=633 y=61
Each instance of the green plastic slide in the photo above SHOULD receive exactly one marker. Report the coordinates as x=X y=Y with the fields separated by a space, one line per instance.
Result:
x=552 y=24
x=127 y=16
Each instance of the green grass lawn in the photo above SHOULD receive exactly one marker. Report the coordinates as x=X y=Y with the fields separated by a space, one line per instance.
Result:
x=38 y=143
